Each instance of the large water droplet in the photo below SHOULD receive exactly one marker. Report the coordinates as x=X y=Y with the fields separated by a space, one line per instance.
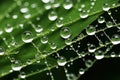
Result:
x=106 y=7
x=68 y=4
x=27 y=37
x=2 y=51
x=91 y=30
x=65 y=32
x=83 y=14
x=61 y=61
x=99 y=54
x=17 y=66
x=52 y=16
x=115 y=39
x=44 y=39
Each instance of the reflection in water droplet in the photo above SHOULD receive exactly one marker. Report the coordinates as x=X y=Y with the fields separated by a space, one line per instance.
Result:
x=106 y=7
x=65 y=32
x=99 y=54
x=27 y=37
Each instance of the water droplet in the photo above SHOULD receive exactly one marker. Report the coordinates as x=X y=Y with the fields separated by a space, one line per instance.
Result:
x=53 y=46
x=8 y=28
x=88 y=63
x=44 y=39
x=24 y=10
x=52 y=16
x=101 y=19
x=68 y=41
x=109 y=24
x=91 y=30
x=45 y=1
x=22 y=75
x=91 y=48
x=27 y=37
x=106 y=7
x=68 y=4
x=17 y=66
x=2 y=51
x=65 y=32
x=61 y=61
x=83 y=14
x=112 y=54
x=27 y=16
x=99 y=54
x=15 y=16
x=59 y=23
x=115 y=39
x=38 y=28
x=1 y=31
x=81 y=71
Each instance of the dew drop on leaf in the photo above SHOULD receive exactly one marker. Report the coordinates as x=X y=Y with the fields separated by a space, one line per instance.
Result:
x=24 y=10
x=68 y=4
x=106 y=7
x=101 y=19
x=83 y=14
x=65 y=32
x=88 y=63
x=90 y=30
x=52 y=16
x=99 y=54
x=45 y=1
x=81 y=71
x=61 y=61
x=109 y=24
x=38 y=28
x=16 y=66
x=53 y=46
x=44 y=40
x=2 y=51
x=27 y=37
x=22 y=75
x=91 y=48
x=9 y=28
x=115 y=39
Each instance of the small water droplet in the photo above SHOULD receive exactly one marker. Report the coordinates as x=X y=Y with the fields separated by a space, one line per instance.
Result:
x=1 y=31
x=59 y=22
x=91 y=48
x=27 y=37
x=101 y=19
x=38 y=28
x=109 y=24
x=88 y=63
x=44 y=40
x=52 y=16
x=45 y=1
x=91 y=30
x=15 y=16
x=61 y=61
x=22 y=75
x=8 y=28
x=2 y=51
x=65 y=32
x=53 y=46
x=68 y=4
x=115 y=39
x=17 y=65
x=24 y=10
x=27 y=16
x=68 y=41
